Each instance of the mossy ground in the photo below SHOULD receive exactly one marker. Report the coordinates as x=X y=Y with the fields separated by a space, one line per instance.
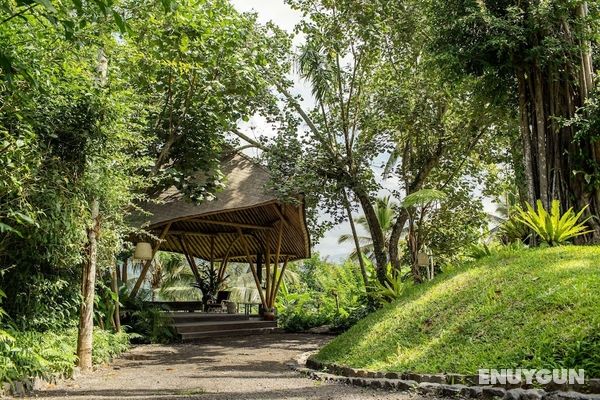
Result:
x=535 y=308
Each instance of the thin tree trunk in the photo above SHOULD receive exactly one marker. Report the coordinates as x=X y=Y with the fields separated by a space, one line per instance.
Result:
x=86 y=316
x=395 y=239
x=115 y=289
x=361 y=261
x=376 y=234
x=540 y=118
x=526 y=137
x=124 y=271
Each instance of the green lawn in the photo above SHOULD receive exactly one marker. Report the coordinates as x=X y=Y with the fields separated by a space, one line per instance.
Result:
x=527 y=308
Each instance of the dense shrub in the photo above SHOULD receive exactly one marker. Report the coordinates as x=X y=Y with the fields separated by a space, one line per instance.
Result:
x=325 y=294
x=44 y=355
x=148 y=323
x=44 y=303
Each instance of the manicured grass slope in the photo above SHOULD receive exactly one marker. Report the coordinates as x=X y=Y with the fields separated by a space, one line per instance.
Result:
x=528 y=308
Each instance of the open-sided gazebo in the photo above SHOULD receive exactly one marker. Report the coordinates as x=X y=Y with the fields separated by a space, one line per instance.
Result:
x=245 y=222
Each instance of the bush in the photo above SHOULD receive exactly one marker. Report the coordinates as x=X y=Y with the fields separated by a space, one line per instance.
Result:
x=45 y=355
x=43 y=303
x=552 y=227
x=326 y=294
x=147 y=323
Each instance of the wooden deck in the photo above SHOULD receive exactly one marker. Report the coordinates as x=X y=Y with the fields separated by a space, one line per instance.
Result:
x=196 y=325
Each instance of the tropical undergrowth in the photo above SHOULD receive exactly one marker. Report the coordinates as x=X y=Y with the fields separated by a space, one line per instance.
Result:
x=31 y=354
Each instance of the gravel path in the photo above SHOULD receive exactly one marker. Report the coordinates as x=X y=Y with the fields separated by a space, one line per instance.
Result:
x=252 y=367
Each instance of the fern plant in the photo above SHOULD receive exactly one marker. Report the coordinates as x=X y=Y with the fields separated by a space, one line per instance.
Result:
x=552 y=227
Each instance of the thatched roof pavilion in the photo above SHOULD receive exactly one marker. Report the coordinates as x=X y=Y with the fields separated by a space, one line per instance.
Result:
x=245 y=222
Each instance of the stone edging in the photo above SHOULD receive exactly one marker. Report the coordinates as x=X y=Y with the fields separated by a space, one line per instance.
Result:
x=446 y=385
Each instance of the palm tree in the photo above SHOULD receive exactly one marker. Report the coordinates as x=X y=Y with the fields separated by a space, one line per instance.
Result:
x=171 y=278
x=385 y=214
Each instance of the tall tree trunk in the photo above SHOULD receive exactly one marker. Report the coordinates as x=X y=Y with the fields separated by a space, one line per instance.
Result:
x=395 y=239
x=86 y=315
x=526 y=137
x=587 y=85
x=361 y=261
x=115 y=289
x=540 y=119
x=376 y=233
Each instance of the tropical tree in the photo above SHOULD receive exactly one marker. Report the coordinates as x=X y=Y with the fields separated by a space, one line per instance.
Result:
x=385 y=215
x=540 y=54
x=378 y=93
x=171 y=278
x=199 y=71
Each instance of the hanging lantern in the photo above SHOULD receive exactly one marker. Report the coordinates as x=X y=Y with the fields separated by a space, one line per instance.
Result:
x=143 y=251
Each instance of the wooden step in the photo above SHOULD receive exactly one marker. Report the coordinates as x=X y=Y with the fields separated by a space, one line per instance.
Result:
x=191 y=327
x=226 y=333
x=182 y=317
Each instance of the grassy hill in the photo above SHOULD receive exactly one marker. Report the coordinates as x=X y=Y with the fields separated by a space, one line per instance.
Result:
x=527 y=308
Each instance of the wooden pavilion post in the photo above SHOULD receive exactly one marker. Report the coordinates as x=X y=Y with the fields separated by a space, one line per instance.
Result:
x=190 y=258
x=254 y=274
x=225 y=259
x=147 y=264
x=271 y=293
x=268 y=268
x=279 y=280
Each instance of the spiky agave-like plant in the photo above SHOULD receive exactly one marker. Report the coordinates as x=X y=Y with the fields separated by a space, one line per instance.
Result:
x=552 y=227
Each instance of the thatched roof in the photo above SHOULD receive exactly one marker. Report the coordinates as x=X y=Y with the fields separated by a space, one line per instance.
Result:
x=245 y=205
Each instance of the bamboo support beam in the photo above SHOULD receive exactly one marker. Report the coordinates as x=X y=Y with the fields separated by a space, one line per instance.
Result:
x=268 y=268
x=212 y=252
x=282 y=216
x=147 y=264
x=254 y=274
x=274 y=295
x=232 y=224
x=275 y=266
x=217 y=234
x=222 y=269
x=190 y=259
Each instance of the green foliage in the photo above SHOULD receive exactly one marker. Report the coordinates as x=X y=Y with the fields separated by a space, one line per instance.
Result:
x=478 y=251
x=325 y=294
x=389 y=291
x=45 y=303
x=147 y=323
x=513 y=230
x=423 y=197
x=553 y=228
x=531 y=308
x=384 y=209
x=171 y=278
x=199 y=68
x=50 y=354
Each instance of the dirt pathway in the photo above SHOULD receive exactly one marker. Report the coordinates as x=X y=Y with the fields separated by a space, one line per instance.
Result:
x=252 y=367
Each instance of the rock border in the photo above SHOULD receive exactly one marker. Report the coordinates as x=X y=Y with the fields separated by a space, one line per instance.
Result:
x=446 y=385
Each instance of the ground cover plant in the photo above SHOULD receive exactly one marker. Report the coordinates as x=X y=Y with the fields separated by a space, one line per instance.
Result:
x=530 y=308
x=30 y=354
